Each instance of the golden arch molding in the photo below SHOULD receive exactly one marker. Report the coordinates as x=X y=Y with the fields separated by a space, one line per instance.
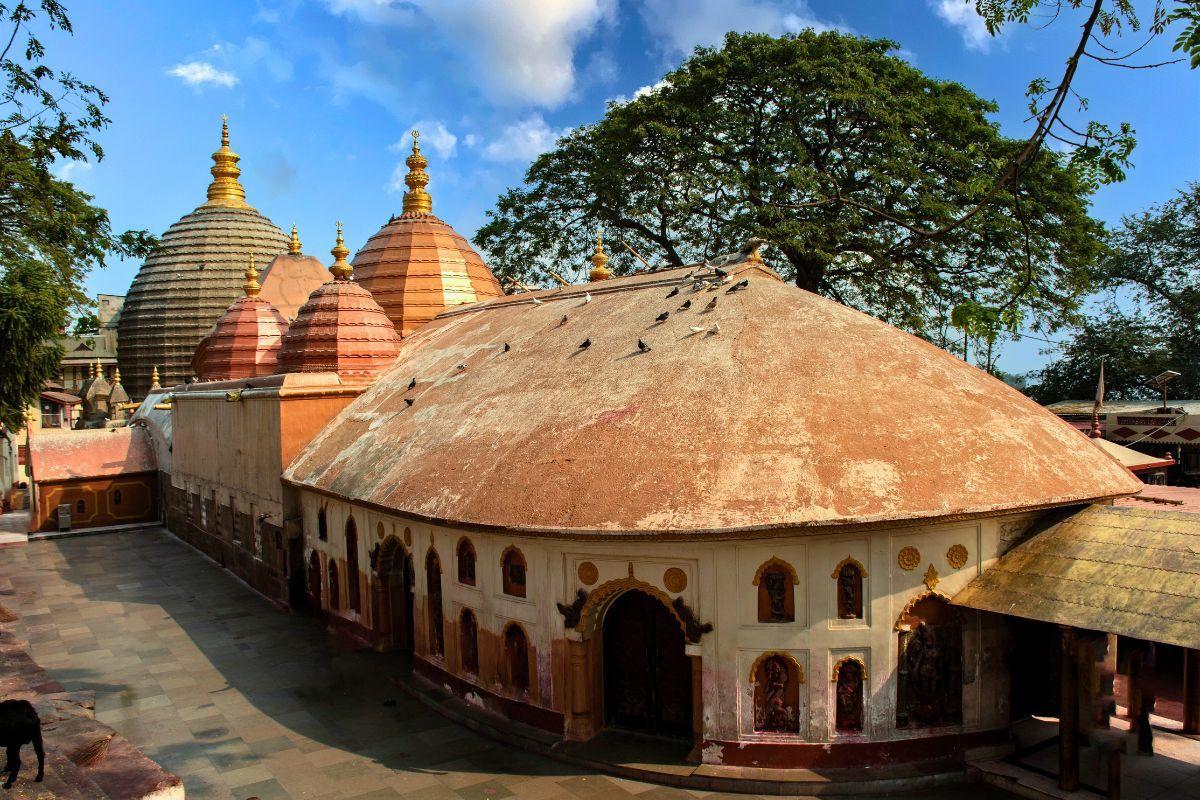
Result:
x=770 y=654
x=849 y=560
x=606 y=593
x=776 y=561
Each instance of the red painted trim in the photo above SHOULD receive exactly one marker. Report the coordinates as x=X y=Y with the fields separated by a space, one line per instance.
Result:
x=535 y=716
x=806 y=755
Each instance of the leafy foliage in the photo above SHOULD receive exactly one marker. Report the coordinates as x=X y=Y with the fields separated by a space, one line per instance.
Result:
x=1153 y=263
x=840 y=155
x=51 y=234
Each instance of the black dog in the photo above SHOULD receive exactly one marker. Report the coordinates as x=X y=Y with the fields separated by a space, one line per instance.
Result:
x=19 y=725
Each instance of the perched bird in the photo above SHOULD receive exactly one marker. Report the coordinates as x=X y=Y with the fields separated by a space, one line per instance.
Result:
x=408 y=401
x=585 y=344
x=686 y=305
x=412 y=384
x=730 y=259
x=536 y=301
x=461 y=366
x=562 y=321
x=643 y=347
x=711 y=304
x=714 y=329
x=587 y=297
x=742 y=284
x=662 y=317
x=507 y=347
x=720 y=273
x=698 y=329
x=674 y=292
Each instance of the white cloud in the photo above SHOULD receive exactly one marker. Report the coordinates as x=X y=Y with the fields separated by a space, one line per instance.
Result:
x=524 y=140
x=72 y=170
x=961 y=14
x=641 y=92
x=520 y=51
x=199 y=73
x=681 y=25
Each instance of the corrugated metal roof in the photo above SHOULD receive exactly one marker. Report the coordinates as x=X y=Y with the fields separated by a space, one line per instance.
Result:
x=1129 y=571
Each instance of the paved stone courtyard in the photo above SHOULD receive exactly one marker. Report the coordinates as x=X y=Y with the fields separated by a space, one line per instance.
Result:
x=242 y=700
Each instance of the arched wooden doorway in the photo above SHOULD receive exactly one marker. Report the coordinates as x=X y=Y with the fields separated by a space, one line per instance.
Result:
x=647 y=674
x=394 y=600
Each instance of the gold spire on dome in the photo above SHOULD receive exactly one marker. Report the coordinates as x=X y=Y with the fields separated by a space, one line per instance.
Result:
x=99 y=368
x=155 y=381
x=600 y=270
x=225 y=189
x=117 y=376
x=341 y=268
x=252 y=286
x=294 y=242
x=416 y=199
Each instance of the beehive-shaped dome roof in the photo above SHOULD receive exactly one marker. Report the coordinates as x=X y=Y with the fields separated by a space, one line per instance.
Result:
x=190 y=279
x=245 y=341
x=417 y=266
x=340 y=329
x=291 y=277
x=660 y=407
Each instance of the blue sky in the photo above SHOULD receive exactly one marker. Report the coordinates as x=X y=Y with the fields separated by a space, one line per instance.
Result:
x=320 y=95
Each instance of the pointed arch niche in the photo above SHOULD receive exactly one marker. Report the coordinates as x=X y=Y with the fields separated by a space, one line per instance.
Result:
x=776 y=580
x=848 y=598
x=776 y=679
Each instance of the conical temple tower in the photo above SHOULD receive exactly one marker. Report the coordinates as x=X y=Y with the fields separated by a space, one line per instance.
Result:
x=192 y=277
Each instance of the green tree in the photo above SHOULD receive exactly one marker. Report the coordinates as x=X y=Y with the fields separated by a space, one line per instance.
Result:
x=1151 y=269
x=51 y=234
x=840 y=155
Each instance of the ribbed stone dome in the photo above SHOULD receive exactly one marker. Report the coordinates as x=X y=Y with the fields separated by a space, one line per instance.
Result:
x=191 y=278
x=245 y=342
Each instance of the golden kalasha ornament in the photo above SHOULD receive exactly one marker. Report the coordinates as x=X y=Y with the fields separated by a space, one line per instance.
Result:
x=341 y=268
x=416 y=199
x=225 y=189
x=294 y=243
x=600 y=270
x=252 y=286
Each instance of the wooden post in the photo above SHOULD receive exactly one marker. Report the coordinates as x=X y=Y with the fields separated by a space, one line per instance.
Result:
x=1133 y=686
x=1068 y=715
x=1191 y=691
x=1107 y=701
x=1114 y=774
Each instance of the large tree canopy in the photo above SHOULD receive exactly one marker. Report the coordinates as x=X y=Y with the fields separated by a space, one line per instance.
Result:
x=50 y=233
x=1151 y=322
x=837 y=153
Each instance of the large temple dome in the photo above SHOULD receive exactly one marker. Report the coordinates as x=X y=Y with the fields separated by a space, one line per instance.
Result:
x=775 y=409
x=192 y=277
x=416 y=266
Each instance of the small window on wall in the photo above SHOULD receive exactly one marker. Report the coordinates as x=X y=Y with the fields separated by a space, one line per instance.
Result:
x=512 y=564
x=466 y=562
x=79 y=507
x=516 y=657
x=468 y=642
x=849 y=575
x=116 y=497
x=776 y=581
x=322 y=525
x=334 y=592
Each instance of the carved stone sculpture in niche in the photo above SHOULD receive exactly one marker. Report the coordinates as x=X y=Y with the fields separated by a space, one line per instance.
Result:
x=849 y=711
x=930 y=665
x=776 y=695
x=850 y=592
x=468 y=635
x=776 y=581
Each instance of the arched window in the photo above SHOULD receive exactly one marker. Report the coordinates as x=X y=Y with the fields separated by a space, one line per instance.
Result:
x=776 y=680
x=466 y=561
x=79 y=506
x=314 y=579
x=516 y=658
x=335 y=595
x=352 y=588
x=849 y=702
x=322 y=525
x=468 y=642
x=849 y=576
x=512 y=564
x=776 y=581
x=929 y=667
x=116 y=497
x=433 y=580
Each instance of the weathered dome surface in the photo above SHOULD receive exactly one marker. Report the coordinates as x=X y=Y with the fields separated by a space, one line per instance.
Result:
x=417 y=266
x=244 y=343
x=340 y=329
x=191 y=278
x=289 y=279
x=795 y=412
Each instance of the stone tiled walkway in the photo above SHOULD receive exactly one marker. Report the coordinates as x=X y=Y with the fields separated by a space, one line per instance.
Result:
x=242 y=700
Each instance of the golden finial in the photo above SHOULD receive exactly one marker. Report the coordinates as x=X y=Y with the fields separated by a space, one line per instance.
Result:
x=225 y=189
x=600 y=270
x=294 y=242
x=341 y=269
x=155 y=381
x=116 y=376
x=91 y=370
x=416 y=199
x=99 y=369
x=252 y=285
